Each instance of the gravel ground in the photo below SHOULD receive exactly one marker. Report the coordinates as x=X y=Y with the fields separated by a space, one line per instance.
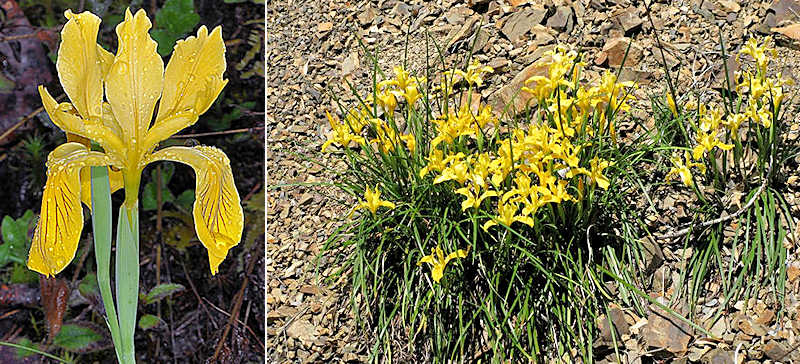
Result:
x=313 y=46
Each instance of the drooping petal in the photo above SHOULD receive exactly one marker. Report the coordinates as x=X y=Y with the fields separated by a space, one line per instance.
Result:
x=55 y=239
x=78 y=63
x=64 y=117
x=192 y=81
x=135 y=79
x=218 y=216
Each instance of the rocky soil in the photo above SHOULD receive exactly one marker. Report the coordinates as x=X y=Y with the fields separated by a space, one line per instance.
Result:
x=314 y=46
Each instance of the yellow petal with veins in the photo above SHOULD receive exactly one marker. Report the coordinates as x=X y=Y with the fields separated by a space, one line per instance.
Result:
x=192 y=81
x=55 y=239
x=78 y=63
x=218 y=215
x=134 y=82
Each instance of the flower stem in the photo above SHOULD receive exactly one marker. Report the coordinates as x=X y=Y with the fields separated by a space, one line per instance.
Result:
x=127 y=282
x=101 y=231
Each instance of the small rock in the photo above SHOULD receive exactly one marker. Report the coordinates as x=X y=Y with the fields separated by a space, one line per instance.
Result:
x=765 y=317
x=784 y=11
x=401 y=10
x=511 y=95
x=728 y=6
x=628 y=19
x=462 y=33
x=367 y=16
x=792 y=272
x=621 y=327
x=662 y=279
x=666 y=332
x=752 y=328
x=778 y=351
x=302 y=330
x=541 y=35
x=350 y=64
x=651 y=254
x=615 y=49
x=791 y=31
x=457 y=15
x=309 y=289
x=324 y=27
x=561 y=20
x=719 y=80
x=718 y=356
x=498 y=64
x=521 y=21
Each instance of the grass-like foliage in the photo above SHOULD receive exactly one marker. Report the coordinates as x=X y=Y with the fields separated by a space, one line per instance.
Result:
x=484 y=235
x=733 y=142
x=481 y=235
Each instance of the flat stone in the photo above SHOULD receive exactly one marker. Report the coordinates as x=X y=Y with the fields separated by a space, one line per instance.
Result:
x=666 y=332
x=367 y=16
x=511 y=95
x=718 y=356
x=614 y=52
x=628 y=18
x=561 y=20
x=302 y=330
x=778 y=351
x=521 y=21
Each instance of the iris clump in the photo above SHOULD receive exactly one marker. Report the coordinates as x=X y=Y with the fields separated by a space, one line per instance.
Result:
x=471 y=218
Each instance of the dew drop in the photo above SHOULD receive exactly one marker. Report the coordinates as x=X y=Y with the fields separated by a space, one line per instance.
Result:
x=123 y=68
x=50 y=249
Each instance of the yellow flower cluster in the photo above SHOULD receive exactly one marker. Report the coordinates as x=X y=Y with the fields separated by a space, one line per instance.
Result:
x=402 y=87
x=764 y=96
x=534 y=164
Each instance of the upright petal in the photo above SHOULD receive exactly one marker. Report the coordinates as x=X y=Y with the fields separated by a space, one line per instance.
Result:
x=55 y=239
x=193 y=77
x=218 y=216
x=78 y=63
x=135 y=79
x=192 y=81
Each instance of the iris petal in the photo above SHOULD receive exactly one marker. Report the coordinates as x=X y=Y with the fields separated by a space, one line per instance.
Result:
x=135 y=79
x=192 y=81
x=217 y=211
x=55 y=239
x=78 y=63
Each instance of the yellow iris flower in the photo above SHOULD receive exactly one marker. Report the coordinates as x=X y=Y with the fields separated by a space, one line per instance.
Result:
x=474 y=73
x=671 y=104
x=134 y=80
x=372 y=200
x=706 y=143
x=438 y=261
x=473 y=197
x=683 y=169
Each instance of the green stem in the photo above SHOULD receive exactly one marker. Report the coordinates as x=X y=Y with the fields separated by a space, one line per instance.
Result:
x=127 y=270
x=101 y=231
